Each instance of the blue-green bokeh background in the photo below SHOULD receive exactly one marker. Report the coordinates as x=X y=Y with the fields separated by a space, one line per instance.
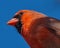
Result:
x=9 y=37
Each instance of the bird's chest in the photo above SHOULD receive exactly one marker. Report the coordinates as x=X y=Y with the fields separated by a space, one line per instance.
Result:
x=32 y=40
x=40 y=38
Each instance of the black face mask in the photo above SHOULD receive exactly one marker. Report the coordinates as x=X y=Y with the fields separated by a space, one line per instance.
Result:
x=18 y=24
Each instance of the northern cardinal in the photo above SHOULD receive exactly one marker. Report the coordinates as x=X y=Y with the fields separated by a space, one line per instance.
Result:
x=39 y=30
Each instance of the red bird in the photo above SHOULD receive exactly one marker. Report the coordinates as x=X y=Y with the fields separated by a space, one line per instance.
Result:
x=39 y=30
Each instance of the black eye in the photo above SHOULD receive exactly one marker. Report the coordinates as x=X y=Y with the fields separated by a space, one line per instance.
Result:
x=19 y=15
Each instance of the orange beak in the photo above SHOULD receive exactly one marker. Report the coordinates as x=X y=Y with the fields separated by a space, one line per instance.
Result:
x=12 y=21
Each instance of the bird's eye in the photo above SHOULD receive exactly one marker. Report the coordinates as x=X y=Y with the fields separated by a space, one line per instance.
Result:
x=19 y=15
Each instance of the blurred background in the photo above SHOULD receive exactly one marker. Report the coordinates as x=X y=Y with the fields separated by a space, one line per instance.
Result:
x=9 y=37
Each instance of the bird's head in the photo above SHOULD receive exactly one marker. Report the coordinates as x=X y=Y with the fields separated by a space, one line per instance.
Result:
x=24 y=18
